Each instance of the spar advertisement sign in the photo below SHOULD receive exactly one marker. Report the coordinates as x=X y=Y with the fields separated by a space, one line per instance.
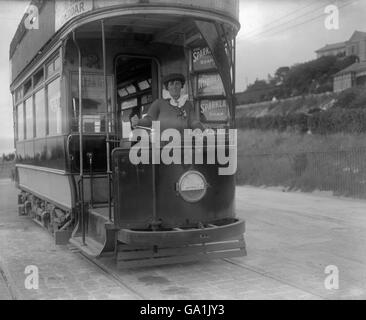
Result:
x=66 y=10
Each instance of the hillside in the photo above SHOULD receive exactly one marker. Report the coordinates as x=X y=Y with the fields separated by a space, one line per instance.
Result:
x=301 y=104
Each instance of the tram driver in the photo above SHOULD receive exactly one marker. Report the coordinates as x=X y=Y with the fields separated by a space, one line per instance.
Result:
x=173 y=112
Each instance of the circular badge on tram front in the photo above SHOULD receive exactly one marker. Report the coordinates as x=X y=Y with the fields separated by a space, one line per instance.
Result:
x=192 y=186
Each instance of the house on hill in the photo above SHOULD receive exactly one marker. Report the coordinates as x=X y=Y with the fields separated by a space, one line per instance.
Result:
x=356 y=46
x=354 y=75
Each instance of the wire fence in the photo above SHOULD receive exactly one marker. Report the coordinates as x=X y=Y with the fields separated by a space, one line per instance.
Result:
x=343 y=171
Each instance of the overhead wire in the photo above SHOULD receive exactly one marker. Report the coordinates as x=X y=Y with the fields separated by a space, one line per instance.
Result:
x=253 y=32
x=275 y=32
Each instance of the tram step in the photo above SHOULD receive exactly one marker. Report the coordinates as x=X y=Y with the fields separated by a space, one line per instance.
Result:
x=132 y=257
x=91 y=247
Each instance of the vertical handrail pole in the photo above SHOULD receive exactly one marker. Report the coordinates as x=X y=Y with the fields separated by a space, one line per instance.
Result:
x=153 y=153
x=234 y=82
x=81 y=141
x=108 y=124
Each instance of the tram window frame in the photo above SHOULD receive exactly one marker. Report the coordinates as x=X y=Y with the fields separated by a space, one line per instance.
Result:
x=20 y=125
x=59 y=129
x=18 y=95
x=29 y=121
x=53 y=66
x=39 y=78
x=39 y=133
x=27 y=88
x=92 y=118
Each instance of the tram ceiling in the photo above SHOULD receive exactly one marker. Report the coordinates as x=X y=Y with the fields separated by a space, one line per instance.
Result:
x=151 y=28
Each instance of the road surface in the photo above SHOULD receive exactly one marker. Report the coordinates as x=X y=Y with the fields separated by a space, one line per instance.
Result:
x=291 y=239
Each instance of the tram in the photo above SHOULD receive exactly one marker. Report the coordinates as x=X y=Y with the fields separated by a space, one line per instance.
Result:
x=79 y=71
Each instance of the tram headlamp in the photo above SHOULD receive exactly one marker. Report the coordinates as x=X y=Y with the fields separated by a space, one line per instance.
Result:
x=192 y=186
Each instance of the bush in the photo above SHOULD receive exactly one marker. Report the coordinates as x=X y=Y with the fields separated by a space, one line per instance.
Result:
x=324 y=122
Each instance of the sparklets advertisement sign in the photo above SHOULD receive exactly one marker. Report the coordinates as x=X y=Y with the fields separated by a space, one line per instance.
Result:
x=202 y=59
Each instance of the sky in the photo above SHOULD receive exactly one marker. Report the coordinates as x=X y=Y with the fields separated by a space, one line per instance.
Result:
x=274 y=33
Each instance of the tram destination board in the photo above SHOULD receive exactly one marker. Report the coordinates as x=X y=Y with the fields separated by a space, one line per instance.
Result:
x=66 y=10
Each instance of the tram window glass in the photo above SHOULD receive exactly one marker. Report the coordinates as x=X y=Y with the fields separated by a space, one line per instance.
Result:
x=53 y=66
x=41 y=119
x=29 y=118
x=93 y=99
x=20 y=125
x=54 y=108
x=38 y=78
x=28 y=87
x=18 y=94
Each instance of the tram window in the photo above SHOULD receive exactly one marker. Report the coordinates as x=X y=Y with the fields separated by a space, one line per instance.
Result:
x=38 y=78
x=28 y=87
x=20 y=120
x=129 y=104
x=54 y=108
x=131 y=89
x=29 y=118
x=53 y=67
x=18 y=94
x=41 y=119
x=93 y=99
x=144 y=85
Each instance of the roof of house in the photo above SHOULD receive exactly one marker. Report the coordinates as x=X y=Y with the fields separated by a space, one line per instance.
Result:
x=333 y=46
x=357 y=35
x=356 y=67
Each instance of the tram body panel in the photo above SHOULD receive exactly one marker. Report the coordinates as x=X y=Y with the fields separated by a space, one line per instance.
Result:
x=133 y=182
x=47 y=184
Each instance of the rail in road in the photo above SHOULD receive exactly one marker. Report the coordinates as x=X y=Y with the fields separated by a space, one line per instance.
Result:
x=291 y=239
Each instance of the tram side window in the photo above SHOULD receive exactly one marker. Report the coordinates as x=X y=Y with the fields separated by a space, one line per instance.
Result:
x=29 y=118
x=41 y=119
x=53 y=67
x=93 y=103
x=54 y=108
x=20 y=125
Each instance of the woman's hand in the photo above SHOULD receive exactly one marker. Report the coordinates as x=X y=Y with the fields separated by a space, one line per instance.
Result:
x=134 y=121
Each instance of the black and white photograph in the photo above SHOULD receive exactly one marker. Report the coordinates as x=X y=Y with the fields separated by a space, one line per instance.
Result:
x=195 y=152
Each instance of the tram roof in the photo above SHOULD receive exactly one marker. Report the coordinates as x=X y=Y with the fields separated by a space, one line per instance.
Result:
x=55 y=15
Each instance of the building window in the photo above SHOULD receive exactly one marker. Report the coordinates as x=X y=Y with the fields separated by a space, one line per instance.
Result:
x=54 y=108
x=20 y=120
x=41 y=120
x=29 y=118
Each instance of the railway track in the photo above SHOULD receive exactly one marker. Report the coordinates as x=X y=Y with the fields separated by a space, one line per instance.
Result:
x=7 y=292
x=118 y=279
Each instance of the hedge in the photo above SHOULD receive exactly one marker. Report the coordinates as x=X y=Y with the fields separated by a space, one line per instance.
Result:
x=323 y=122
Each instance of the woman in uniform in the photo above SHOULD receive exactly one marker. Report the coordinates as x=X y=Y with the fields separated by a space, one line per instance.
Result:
x=174 y=112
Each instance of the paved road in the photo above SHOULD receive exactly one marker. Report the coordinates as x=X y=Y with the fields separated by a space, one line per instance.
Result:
x=291 y=238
